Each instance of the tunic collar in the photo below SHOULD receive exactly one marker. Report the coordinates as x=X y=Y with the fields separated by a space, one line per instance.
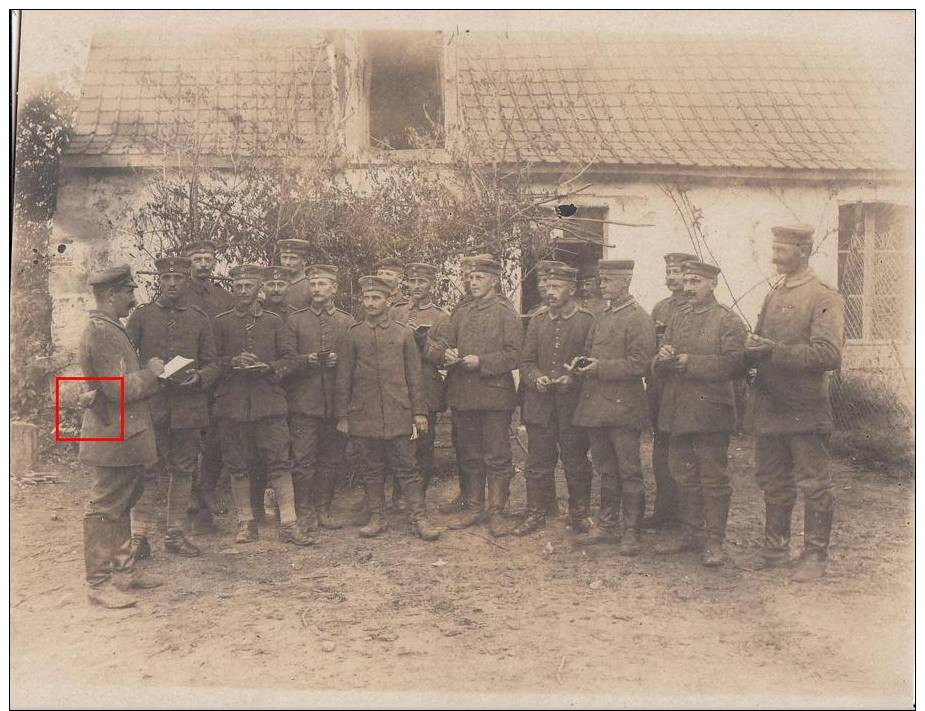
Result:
x=484 y=303
x=384 y=323
x=799 y=279
x=179 y=305
x=702 y=309
x=617 y=306
x=329 y=309
x=564 y=314
x=255 y=310
x=103 y=317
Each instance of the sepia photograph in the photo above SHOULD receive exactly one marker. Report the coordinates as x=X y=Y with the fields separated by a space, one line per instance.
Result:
x=462 y=359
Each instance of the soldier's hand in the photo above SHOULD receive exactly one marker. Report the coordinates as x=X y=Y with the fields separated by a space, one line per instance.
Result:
x=331 y=361
x=471 y=362
x=758 y=344
x=155 y=365
x=420 y=422
x=564 y=382
x=589 y=369
x=193 y=380
x=451 y=356
x=665 y=352
x=342 y=426
x=260 y=367
x=248 y=358
x=312 y=360
x=543 y=382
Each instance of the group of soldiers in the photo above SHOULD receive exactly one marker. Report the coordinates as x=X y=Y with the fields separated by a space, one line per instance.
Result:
x=280 y=381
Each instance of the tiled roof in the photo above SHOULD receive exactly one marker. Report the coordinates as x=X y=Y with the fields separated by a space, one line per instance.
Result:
x=144 y=95
x=677 y=102
x=560 y=98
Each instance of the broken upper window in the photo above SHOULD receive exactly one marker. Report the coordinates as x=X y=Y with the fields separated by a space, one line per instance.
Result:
x=405 y=90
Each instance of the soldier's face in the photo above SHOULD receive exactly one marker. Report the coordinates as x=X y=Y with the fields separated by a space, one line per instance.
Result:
x=467 y=287
x=172 y=285
x=275 y=289
x=246 y=290
x=788 y=258
x=122 y=299
x=202 y=264
x=294 y=261
x=698 y=288
x=375 y=303
x=392 y=275
x=481 y=284
x=674 y=277
x=615 y=286
x=558 y=293
x=322 y=290
x=419 y=288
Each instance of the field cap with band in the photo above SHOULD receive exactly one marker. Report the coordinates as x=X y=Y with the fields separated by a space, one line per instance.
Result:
x=419 y=270
x=294 y=246
x=545 y=265
x=375 y=283
x=278 y=272
x=172 y=265
x=676 y=257
x=615 y=266
x=322 y=271
x=247 y=271
x=485 y=264
x=695 y=266
x=119 y=275
x=563 y=273
x=392 y=263
x=793 y=234
x=205 y=246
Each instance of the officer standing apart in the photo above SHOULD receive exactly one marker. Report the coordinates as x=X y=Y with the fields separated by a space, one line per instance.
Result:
x=555 y=337
x=168 y=327
x=318 y=449
x=213 y=300
x=256 y=350
x=117 y=467
x=702 y=352
x=612 y=405
x=293 y=254
x=422 y=316
x=798 y=338
x=483 y=344
x=665 y=508
x=381 y=405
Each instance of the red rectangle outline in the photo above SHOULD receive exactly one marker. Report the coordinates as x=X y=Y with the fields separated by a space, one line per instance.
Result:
x=120 y=438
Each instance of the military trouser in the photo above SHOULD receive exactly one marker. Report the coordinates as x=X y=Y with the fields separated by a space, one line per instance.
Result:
x=483 y=439
x=395 y=455
x=319 y=456
x=210 y=465
x=546 y=445
x=783 y=463
x=665 y=507
x=242 y=443
x=698 y=463
x=106 y=526
x=424 y=449
x=615 y=453
x=177 y=451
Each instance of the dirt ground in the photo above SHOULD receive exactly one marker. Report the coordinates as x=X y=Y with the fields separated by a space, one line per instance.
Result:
x=398 y=622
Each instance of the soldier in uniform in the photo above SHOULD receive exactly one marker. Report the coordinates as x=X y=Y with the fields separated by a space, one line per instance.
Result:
x=318 y=449
x=167 y=327
x=591 y=298
x=555 y=337
x=422 y=316
x=117 y=466
x=213 y=300
x=702 y=352
x=392 y=270
x=276 y=283
x=256 y=350
x=798 y=338
x=665 y=508
x=293 y=253
x=380 y=402
x=483 y=342
x=612 y=404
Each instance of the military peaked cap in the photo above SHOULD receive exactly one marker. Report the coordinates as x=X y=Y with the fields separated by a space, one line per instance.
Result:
x=247 y=271
x=420 y=270
x=392 y=263
x=207 y=246
x=675 y=257
x=118 y=275
x=695 y=266
x=172 y=265
x=376 y=283
x=322 y=271
x=793 y=234
x=563 y=273
x=616 y=266
x=278 y=272
x=485 y=263
x=294 y=246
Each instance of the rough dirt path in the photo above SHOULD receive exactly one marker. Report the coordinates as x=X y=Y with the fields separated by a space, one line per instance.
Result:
x=402 y=618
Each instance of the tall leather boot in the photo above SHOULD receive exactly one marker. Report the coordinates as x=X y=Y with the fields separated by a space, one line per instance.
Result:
x=690 y=513
x=579 y=504
x=607 y=530
x=817 y=531
x=126 y=575
x=777 y=521
x=327 y=486
x=474 y=494
x=377 y=524
x=420 y=526
x=634 y=506
x=715 y=515
x=98 y=564
x=498 y=488
x=535 y=519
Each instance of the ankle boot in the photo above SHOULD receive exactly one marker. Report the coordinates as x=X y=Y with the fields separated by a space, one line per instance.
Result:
x=537 y=491
x=420 y=526
x=176 y=542
x=474 y=512
x=291 y=533
x=377 y=525
x=247 y=532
